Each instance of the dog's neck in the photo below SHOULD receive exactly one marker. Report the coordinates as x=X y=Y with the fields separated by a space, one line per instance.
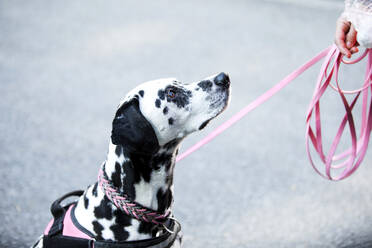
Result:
x=146 y=179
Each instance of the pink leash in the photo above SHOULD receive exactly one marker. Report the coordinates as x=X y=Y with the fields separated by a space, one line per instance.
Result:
x=352 y=157
x=358 y=147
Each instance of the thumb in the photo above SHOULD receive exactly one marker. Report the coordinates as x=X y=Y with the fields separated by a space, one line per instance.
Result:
x=351 y=37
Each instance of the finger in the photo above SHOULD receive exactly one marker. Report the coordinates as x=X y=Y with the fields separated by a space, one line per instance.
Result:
x=351 y=37
x=340 y=43
x=354 y=49
x=342 y=27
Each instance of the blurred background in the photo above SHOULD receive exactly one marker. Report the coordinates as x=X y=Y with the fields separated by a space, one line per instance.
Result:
x=65 y=65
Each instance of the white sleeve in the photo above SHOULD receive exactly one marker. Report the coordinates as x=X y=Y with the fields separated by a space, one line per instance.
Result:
x=359 y=13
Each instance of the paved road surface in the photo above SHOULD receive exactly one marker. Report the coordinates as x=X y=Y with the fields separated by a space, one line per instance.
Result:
x=64 y=66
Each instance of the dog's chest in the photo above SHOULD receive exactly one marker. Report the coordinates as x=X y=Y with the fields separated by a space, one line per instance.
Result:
x=149 y=188
x=98 y=215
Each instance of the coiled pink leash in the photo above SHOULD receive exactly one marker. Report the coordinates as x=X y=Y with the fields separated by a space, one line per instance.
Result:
x=347 y=161
x=358 y=149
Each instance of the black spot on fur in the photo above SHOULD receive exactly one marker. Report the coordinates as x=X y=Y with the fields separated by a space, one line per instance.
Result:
x=165 y=110
x=169 y=180
x=94 y=190
x=115 y=176
x=138 y=167
x=104 y=209
x=143 y=168
x=157 y=103
x=181 y=96
x=168 y=165
x=172 y=144
x=98 y=228
x=119 y=150
x=162 y=159
x=164 y=199
x=86 y=201
x=170 y=121
x=204 y=124
x=161 y=94
x=147 y=228
x=205 y=85
x=141 y=93
x=119 y=232
x=131 y=177
x=121 y=220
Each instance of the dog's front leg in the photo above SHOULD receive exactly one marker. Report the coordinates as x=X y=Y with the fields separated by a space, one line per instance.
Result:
x=39 y=243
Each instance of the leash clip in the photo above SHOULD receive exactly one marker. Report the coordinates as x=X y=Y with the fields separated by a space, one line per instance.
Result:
x=167 y=229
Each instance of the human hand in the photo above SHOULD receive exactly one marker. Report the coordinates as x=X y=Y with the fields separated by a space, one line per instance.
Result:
x=346 y=37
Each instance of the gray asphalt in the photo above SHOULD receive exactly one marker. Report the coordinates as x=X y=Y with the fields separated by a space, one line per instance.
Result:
x=64 y=66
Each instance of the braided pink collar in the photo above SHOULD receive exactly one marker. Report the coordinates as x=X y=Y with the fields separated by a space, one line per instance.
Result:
x=131 y=208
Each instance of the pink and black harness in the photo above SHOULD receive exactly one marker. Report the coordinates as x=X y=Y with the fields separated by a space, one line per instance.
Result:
x=64 y=231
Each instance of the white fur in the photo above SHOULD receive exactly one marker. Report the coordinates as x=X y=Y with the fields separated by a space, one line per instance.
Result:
x=145 y=191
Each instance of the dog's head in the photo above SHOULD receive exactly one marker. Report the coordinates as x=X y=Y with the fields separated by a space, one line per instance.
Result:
x=159 y=111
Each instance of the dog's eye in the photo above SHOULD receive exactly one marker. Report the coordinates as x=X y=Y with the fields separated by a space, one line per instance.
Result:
x=171 y=93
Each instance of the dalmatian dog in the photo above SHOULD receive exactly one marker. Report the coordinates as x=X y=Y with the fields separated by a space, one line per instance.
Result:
x=143 y=168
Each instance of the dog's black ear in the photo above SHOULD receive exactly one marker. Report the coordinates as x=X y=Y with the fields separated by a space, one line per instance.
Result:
x=132 y=130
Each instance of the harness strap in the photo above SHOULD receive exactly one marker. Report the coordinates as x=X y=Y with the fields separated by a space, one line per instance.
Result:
x=60 y=241
x=59 y=212
x=56 y=237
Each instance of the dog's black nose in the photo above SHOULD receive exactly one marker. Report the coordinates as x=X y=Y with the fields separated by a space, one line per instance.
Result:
x=222 y=79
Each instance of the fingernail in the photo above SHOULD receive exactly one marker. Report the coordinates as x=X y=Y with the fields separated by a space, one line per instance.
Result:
x=348 y=44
